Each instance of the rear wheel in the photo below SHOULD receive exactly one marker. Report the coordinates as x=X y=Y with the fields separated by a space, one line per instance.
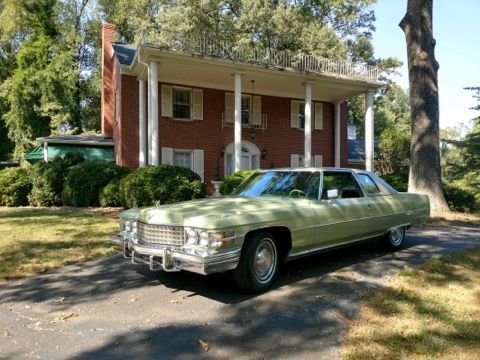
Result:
x=258 y=264
x=395 y=238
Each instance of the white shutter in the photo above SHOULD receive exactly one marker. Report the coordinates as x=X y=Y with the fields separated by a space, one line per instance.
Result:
x=167 y=102
x=294 y=105
x=198 y=165
x=319 y=116
x=318 y=160
x=257 y=110
x=197 y=113
x=167 y=156
x=294 y=160
x=229 y=107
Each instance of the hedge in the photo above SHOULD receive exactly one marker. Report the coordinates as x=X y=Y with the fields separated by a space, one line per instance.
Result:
x=48 y=179
x=85 y=181
x=164 y=183
x=15 y=185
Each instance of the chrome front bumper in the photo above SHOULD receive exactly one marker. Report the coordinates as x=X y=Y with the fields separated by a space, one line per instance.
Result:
x=173 y=259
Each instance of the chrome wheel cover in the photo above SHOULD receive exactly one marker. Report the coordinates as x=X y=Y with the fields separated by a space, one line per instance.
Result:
x=396 y=236
x=265 y=261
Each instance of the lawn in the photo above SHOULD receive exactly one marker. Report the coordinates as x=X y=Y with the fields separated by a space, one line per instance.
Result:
x=34 y=240
x=429 y=312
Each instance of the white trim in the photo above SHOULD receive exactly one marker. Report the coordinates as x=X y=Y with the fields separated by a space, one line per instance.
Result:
x=199 y=163
x=167 y=156
x=308 y=124
x=197 y=104
x=337 y=133
x=238 y=122
x=167 y=101
x=318 y=161
x=154 y=114
x=369 y=132
x=294 y=160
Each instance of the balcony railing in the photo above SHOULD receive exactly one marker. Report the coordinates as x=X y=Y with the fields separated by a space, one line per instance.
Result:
x=247 y=123
x=267 y=57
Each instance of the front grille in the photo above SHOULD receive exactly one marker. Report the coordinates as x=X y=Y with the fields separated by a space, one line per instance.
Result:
x=160 y=234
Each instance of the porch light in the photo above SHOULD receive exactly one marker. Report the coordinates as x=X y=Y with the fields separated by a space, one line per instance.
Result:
x=222 y=151
x=264 y=153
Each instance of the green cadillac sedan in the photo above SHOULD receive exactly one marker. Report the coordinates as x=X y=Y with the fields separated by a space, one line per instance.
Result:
x=276 y=215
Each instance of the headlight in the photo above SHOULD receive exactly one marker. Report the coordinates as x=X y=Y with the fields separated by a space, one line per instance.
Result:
x=208 y=239
x=191 y=236
x=129 y=226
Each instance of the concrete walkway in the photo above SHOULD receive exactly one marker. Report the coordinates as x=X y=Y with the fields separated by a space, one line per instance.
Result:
x=110 y=309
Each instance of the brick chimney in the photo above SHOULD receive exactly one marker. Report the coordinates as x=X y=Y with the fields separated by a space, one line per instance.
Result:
x=109 y=35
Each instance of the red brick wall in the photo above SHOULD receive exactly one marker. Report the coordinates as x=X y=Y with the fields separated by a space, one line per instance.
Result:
x=279 y=140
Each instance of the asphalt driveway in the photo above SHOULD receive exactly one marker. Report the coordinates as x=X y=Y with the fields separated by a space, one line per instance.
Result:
x=110 y=309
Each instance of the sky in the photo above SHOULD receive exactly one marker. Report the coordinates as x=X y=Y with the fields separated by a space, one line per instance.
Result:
x=456 y=29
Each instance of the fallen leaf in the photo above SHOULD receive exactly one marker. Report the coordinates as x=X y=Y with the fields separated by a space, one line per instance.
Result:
x=203 y=345
x=60 y=300
x=320 y=296
x=64 y=317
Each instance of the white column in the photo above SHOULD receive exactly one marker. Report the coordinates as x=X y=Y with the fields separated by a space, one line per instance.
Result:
x=238 y=122
x=337 y=133
x=369 y=137
x=153 y=117
x=308 y=124
x=149 y=114
x=142 y=124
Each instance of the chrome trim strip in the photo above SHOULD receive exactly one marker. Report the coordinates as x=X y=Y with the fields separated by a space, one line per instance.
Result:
x=331 y=247
x=359 y=219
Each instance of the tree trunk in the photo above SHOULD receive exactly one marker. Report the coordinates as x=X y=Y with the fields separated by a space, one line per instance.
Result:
x=425 y=170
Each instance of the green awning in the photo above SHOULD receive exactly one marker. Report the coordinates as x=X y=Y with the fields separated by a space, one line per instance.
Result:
x=35 y=155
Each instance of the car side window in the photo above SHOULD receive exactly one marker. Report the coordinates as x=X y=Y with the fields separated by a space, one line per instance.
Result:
x=368 y=184
x=344 y=182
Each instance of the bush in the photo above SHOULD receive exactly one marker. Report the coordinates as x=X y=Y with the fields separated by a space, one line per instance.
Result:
x=110 y=195
x=399 y=181
x=459 y=199
x=232 y=181
x=48 y=178
x=85 y=180
x=164 y=183
x=15 y=186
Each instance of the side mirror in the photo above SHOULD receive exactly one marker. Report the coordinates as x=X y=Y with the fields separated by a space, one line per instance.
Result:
x=332 y=194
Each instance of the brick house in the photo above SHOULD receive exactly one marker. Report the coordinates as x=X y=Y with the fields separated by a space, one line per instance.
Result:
x=216 y=110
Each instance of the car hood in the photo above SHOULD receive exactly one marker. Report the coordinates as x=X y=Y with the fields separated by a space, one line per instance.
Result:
x=217 y=213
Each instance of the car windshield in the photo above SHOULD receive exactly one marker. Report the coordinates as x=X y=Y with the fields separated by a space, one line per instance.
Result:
x=295 y=184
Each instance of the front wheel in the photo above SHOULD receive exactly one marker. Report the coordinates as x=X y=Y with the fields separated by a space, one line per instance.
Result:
x=258 y=264
x=395 y=238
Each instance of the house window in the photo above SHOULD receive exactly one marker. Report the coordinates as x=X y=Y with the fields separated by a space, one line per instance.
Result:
x=182 y=103
x=245 y=109
x=183 y=158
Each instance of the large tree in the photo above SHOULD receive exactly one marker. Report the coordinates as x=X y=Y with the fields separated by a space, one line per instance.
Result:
x=425 y=170
x=52 y=85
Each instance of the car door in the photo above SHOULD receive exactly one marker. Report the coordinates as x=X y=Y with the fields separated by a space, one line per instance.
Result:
x=348 y=217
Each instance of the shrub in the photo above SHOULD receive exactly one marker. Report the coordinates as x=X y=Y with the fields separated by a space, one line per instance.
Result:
x=15 y=186
x=85 y=180
x=232 y=181
x=48 y=178
x=399 y=181
x=459 y=199
x=110 y=195
x=164 y=183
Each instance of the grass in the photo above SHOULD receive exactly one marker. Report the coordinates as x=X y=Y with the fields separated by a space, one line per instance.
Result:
x=34 y=240
x=429 y=312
